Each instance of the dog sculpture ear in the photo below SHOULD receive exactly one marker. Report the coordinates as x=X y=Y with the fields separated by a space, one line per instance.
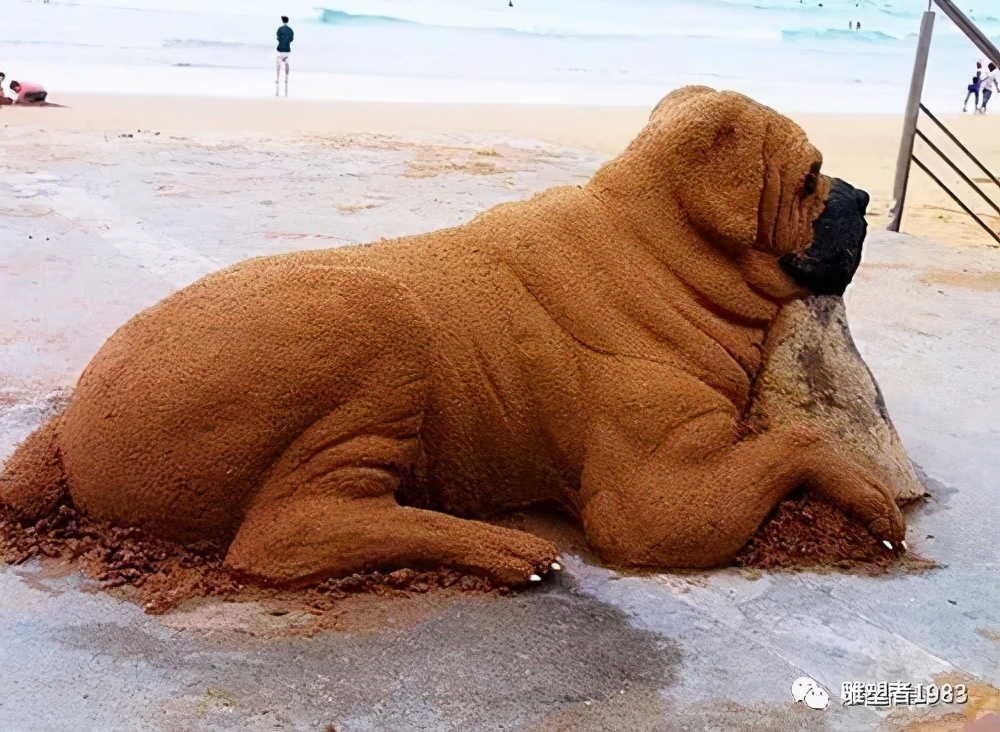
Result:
x=714 y=145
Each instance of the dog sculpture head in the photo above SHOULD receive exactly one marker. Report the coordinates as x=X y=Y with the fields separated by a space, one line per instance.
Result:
x=748 y=181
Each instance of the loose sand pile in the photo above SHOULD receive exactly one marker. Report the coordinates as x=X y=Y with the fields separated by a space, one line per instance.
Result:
x=803 y=533
x=161 y=575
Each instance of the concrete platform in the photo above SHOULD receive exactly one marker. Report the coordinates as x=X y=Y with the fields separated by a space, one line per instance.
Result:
x=93 y=229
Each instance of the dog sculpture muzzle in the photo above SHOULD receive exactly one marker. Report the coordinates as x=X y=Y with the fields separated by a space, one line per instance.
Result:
x=828 y=265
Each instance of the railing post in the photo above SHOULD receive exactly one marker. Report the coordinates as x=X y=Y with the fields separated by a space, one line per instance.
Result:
x=910 y=121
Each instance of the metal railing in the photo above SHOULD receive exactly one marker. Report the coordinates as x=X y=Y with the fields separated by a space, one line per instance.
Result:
x=911 y=118
x=968 y=181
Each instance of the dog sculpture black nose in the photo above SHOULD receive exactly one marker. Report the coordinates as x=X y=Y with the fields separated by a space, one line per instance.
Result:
x=828 y=265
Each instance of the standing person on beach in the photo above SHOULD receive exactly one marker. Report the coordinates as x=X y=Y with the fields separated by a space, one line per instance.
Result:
x=285 y=37
x=991 y=84
x=973 y=88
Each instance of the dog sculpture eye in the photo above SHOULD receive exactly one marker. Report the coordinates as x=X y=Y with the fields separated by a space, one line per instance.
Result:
x=810 y=186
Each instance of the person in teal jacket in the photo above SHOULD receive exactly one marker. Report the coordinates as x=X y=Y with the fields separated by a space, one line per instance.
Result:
x=285 y=37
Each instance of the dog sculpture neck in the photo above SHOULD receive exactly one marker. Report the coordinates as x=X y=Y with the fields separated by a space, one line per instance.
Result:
x=749 y=287
x=610 y=285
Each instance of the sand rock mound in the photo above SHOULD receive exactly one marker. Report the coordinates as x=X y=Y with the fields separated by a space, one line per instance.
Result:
x=813 y=374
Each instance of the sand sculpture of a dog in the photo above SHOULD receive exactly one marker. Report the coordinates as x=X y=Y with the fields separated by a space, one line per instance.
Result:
x=355 y=409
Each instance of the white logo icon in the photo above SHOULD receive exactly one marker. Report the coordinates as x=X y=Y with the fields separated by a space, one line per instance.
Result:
x=807 y=690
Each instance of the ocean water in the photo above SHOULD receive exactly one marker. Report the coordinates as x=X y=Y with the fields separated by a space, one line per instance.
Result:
x=796 y=56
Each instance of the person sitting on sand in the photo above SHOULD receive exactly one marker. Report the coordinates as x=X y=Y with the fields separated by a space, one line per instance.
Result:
x=4 y=99
x=28 y=93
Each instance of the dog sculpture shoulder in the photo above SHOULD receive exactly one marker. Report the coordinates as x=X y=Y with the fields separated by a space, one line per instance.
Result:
x=355 y=409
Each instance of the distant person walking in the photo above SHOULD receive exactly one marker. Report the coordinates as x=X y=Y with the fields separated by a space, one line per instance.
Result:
x=285 y=37
x=991 y=85
x=973 y=88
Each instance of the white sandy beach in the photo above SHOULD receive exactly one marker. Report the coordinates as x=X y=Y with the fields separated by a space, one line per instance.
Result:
x=859 y=148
